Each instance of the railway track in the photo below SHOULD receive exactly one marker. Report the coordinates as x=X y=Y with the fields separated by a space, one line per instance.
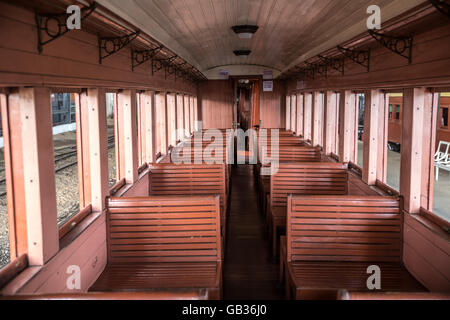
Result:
x=62 y=155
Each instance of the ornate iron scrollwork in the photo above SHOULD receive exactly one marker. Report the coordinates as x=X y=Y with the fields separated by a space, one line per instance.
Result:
x=139 y=57
x=399 y=45
x=336 y=64
x=111 y=45
x=442 y=6
x=44 y=21
x=361 y=57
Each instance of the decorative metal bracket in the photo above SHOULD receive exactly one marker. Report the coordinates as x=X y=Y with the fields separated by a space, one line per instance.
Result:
x=319 y=68
x=441 y=6
x=399 y=45
x=361 y=57
x=157 y=65
x=43 y=24
x=139 y=57
x=335 y=63
x=111 y=45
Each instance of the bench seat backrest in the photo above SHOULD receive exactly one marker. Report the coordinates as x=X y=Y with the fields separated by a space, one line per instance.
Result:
x=188 y=179
x=321 y=178
x=344 y=228
x=291 y=154
x=164 y=229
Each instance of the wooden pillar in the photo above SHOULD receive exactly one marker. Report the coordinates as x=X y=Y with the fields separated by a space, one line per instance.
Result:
x=180 y=117
x=148 y=114
x=187 y=124
x=191 y=114
x=195 y=114
x=330 y=122
x=374 y=101
x=288 y=113
x=317 y=121
x=294 y=113
x=127 y=105
x=171 y=119
x=307 y=113
x=299 y=121
x=38 y=174
x=348 y=125
x=415 y=102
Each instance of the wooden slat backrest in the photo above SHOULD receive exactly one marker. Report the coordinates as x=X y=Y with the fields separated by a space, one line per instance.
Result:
x=164 y=229
x=307 y=179
x=188 y=179
x=344 y=228
x=292 y=154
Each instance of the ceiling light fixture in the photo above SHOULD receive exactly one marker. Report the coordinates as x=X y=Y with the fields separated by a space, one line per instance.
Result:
x=242 y=52
x=245 y=31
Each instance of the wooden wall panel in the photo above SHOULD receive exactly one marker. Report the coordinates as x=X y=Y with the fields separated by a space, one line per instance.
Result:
x=216 y=104
x=430 y=61
x=272 y=106
x=88 y=251
x=69 y=61
x=426 y=253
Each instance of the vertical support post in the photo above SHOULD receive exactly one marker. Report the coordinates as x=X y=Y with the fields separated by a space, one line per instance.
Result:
x=38 y=174
x=191 y=114
x=195 y=114
x=93 y=102
x=127 y=105
x=180 y=116
x=382 y=138
x=161 y=121
x=330 y=122
x=412 y=151
x=171 y=119
x=294 y=113
x=83 y=154
x=148 y=126
x=307 y=112
x=187 y=124
x=288 y=113
x=299 y=129
x=374 y=100
x=317 y=121
x=347 y=114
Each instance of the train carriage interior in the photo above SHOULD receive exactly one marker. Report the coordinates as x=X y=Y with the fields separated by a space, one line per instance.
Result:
x=224 y=150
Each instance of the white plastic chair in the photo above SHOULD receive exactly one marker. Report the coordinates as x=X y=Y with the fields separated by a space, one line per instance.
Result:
x=442 y=159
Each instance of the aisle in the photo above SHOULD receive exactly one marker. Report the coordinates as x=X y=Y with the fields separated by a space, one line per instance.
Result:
x=249 y=272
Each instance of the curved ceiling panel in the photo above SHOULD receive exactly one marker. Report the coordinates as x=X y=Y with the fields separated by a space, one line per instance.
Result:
x=289 y=31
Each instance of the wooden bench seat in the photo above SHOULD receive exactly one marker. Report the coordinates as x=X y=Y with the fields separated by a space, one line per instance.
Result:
x=352 y=295
x=190 y=179
x=183 y=295
x=301 y=179
x=332 y=240
x=164 y=242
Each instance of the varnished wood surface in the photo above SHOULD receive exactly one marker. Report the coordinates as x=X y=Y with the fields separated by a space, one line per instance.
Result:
x=249 y=272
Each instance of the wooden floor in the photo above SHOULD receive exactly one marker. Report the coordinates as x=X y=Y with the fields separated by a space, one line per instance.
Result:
x=249 y=272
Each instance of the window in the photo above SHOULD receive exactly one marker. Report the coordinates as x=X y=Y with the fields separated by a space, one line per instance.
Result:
x=397 y=112
x=444 y=118
x=394 y=141
x=441 y=189
x=111 y=105
x=360 y=140
x=4 y=218
x=65 y=156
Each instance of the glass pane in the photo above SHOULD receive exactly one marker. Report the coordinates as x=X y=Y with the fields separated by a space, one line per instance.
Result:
x=360 y=141
x=394 y=142
x=110 y=103
x=65 y=153
x=4 y=230
x=441 y=198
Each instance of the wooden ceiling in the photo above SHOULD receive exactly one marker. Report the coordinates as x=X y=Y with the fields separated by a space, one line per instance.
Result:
x=290 y=31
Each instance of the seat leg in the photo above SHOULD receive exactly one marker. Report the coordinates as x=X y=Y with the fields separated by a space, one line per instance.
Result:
x=274 y=239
